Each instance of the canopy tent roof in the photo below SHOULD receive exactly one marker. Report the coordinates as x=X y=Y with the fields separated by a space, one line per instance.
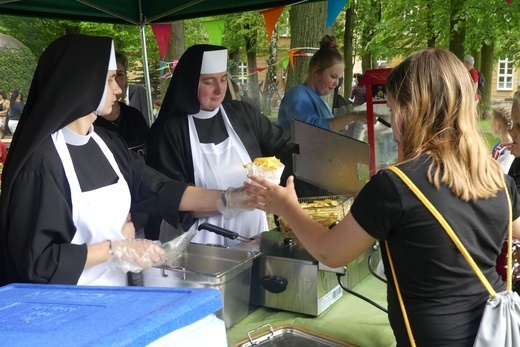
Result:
x=137 y=12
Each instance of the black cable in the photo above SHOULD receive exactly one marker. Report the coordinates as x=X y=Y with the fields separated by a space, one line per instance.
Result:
x=384 y=122
x=372 y=271
x=339 y=275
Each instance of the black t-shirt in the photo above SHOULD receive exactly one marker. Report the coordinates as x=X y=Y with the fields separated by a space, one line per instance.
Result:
x=444 y=298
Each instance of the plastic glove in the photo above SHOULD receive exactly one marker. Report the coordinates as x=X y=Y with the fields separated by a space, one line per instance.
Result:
x=233 y=201
x=135 y=255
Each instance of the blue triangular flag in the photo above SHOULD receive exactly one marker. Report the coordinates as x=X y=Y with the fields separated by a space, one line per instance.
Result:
x=333 y=9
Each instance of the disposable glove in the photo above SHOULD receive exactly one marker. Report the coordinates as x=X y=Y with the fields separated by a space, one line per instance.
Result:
x=232 y=201
x=135 y=255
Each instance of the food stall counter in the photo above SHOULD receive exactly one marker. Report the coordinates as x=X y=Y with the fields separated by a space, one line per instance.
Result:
x=350 y=319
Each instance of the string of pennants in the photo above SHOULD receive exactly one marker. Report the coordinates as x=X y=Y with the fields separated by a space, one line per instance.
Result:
x=166 y=68
x=215 y=28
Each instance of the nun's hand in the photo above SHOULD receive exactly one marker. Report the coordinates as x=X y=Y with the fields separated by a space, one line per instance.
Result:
x=128 y=231
x=135 y=255
x=232 y=201
x=270 y=197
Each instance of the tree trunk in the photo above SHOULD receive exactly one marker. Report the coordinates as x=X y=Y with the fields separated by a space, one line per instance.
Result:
x=235 y=57
x=459 y=36
x=486 y=68
x=251 y=43
x=176 y=48
x=270 y=85
x=432 y=36
x=348 y=51
x=307 y=22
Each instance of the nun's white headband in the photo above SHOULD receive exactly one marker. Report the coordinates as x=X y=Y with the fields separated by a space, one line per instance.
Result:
x=112 y=65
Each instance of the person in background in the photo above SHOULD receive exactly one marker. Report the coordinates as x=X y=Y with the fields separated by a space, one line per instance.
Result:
x=156 y=108
x=514 y=147
x=442 y=151
x=133 y=95
x=469 y=61
x=15 y=110
x=359 y=93
x=4 y=107
x=304 y=102
x=205 y=138
x=355 y=80
x=500 y=125
x=3 y=157
x=339 y=100
x=127 y=121
x=68 y=187
x=238 y=94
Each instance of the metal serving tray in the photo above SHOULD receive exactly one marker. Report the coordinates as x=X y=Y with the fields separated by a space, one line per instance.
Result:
x=289 y=336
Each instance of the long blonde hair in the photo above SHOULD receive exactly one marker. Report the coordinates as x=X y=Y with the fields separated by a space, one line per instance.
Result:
x=435 y=110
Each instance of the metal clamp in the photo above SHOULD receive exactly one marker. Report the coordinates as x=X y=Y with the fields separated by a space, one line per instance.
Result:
x=184 y=276
x=263 y=326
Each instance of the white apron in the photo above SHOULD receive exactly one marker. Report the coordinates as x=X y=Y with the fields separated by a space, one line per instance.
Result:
x=98 y=215
x=220 y=167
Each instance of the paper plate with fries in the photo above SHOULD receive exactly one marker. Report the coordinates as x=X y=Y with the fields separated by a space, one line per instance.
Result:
x=269 y=168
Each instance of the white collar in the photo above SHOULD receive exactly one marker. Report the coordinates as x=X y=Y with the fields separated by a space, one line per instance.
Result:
x=206 y=114
x=75 y=139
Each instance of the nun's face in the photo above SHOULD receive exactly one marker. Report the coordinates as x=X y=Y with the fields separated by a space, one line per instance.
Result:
x=212 y=89
x=112 y=91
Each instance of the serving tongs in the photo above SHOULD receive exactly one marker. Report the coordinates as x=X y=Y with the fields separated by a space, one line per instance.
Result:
x=224 y=232
x=174 y=248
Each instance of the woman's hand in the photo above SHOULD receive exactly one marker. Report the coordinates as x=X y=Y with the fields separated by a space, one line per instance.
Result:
x=128 y=231
x=271 y=197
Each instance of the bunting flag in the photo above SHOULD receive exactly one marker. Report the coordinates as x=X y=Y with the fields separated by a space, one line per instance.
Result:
x=285 y=63
x=259 y=69
x=270 y=18
x=334 y=7
x=162 y=34
x=214 y=29
x=169 y=66
x=295 y=52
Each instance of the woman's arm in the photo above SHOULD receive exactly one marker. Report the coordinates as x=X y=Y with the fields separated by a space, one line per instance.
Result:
x=336 y=247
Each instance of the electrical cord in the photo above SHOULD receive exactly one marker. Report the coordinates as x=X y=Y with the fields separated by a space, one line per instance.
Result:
x=372 y=270
x=339 y=275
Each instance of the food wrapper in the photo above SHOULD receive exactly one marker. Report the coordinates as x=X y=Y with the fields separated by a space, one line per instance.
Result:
x=269 y=168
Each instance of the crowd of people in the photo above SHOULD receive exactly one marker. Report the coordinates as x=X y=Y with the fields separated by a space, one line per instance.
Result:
x=84 y=168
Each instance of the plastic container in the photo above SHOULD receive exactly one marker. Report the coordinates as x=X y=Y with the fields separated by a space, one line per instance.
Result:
x=63 y=315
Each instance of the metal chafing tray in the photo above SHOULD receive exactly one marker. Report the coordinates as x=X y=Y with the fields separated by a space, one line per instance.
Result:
x=289 y=336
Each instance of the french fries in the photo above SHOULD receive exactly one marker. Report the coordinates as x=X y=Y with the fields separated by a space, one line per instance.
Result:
x=265 y=162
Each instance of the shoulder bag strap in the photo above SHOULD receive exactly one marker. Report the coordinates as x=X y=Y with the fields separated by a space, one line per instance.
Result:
x=457 y=242
x=401 y=302
x=454 y=237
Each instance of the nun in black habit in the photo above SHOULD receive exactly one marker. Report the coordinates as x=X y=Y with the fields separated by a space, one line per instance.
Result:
x=205 y=138
x=68 y=188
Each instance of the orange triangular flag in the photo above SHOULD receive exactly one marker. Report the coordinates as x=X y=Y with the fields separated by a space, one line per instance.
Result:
x=292 y=52
x=271 y=17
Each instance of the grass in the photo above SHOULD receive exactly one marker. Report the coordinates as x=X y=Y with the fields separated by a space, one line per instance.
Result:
x=491 y=140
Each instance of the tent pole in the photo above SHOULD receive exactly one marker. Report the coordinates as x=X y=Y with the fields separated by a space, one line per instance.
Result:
x=146 y=75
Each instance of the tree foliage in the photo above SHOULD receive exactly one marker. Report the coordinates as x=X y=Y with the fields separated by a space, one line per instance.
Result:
x=17 y=68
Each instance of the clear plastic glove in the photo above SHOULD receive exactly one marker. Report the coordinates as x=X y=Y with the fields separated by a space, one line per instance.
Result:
x=233 y=201
x=135 y=255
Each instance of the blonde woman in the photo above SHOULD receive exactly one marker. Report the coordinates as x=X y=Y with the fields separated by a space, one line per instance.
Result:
x=441 y=149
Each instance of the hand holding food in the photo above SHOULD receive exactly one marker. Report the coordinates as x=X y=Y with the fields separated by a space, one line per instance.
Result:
x=271 y=197
x=233 y=201
x=269 y=168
